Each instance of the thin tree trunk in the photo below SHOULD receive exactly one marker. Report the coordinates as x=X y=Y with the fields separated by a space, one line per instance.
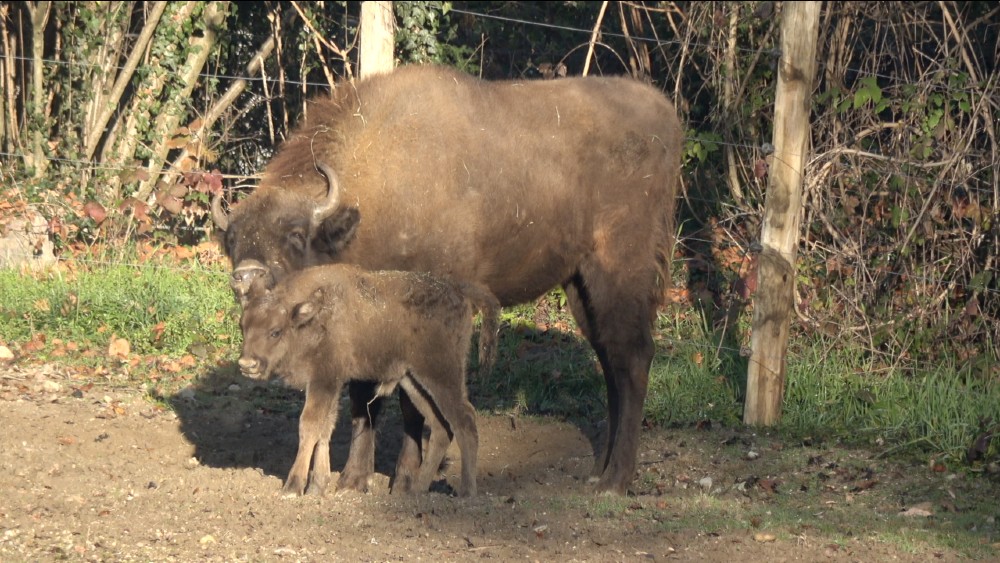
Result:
x=122 y=81
x=169 y=119
x=8 y=113
x=729 y=101
x=39 y=18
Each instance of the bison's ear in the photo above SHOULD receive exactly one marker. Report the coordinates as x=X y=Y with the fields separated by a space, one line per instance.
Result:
x=304 y=312
x=337 y=232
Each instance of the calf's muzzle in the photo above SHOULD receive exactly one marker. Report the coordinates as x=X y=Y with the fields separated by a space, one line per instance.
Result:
x=251 y=367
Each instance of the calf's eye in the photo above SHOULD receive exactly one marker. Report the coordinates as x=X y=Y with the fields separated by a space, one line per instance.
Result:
x=276 y=333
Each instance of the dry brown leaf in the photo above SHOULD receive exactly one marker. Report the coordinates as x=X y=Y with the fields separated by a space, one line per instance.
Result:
x=158 y=331
x=923 y=509
x=119 y=347
x=95 y=211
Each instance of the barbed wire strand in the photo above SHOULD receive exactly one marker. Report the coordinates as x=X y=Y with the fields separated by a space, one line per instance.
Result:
x=892 y=80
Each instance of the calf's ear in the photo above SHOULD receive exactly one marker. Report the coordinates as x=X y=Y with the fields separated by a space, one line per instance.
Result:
x=304 y=312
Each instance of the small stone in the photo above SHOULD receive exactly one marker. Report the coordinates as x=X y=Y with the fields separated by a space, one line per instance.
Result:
x=234 y=387
x=705 y=483
x=752 y=455
x=51 y=386
x=6 y=354
x=206 y=539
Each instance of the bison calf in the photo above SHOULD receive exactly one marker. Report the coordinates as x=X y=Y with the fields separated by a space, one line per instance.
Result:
x=326 y=325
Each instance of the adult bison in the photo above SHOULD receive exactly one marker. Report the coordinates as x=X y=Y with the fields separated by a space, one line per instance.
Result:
x=518 y=186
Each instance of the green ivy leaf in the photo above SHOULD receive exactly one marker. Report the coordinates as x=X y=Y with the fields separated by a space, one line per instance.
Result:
x=981 y=280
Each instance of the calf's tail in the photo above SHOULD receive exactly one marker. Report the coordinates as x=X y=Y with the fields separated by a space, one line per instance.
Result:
x=489 y=308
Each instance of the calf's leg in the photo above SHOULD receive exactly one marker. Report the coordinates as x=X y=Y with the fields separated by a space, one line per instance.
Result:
x=437 y=441
x=408 y=464
x=315 y=428
x=446 y=388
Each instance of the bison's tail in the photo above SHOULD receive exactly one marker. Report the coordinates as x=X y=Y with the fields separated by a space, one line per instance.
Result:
x=489 y=309
x=668 y=237
x=665 y=248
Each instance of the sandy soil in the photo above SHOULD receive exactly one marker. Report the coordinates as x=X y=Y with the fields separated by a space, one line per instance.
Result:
x=103 y=471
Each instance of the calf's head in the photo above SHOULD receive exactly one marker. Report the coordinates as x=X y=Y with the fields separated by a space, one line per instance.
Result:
x=275 y=232
x=278 y=335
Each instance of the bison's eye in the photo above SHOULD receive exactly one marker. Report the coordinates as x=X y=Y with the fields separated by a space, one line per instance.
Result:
x=298 y=240
x=276 y=333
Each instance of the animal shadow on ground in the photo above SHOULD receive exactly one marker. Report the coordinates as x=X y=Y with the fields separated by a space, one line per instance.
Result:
x=236 y=422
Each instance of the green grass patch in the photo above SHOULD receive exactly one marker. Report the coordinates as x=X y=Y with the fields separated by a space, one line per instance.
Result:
x=839 y=394
x=159 y=310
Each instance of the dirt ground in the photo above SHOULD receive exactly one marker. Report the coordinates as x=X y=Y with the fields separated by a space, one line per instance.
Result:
x=101 y=470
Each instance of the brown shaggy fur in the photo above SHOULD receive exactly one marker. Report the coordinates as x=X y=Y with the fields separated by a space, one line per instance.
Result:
x=326 y=325
x=519 y=186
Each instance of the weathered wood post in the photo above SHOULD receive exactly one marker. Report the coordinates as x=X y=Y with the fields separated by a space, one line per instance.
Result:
x=378 y=37
x=774 y=300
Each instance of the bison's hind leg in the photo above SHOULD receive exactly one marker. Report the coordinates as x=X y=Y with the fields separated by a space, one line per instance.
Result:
x=615 y=315
x=360 y=466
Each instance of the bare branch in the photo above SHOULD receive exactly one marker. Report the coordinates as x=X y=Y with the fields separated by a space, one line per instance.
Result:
x=593 y=37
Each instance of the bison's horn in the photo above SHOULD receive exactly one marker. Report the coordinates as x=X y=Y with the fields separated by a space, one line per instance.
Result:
x=219 y=216
x=324 y=211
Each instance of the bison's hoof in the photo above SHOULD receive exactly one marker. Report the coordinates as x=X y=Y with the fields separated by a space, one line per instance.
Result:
x=402 y=484
x=353 y=482
x=315 y=489
x=293 y=488
x=608 y=487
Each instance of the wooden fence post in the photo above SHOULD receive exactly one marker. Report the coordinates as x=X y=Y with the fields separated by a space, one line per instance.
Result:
x=774 y=300
x=378 y=37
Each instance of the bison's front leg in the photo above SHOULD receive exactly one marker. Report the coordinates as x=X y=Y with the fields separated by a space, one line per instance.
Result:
x=360 y=466
x=315 y=428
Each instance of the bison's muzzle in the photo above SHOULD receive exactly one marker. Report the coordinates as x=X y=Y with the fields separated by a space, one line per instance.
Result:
x=248 y=274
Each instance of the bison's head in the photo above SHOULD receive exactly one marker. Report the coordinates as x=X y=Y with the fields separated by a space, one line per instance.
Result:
x=276 y=336
x=275 y=232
